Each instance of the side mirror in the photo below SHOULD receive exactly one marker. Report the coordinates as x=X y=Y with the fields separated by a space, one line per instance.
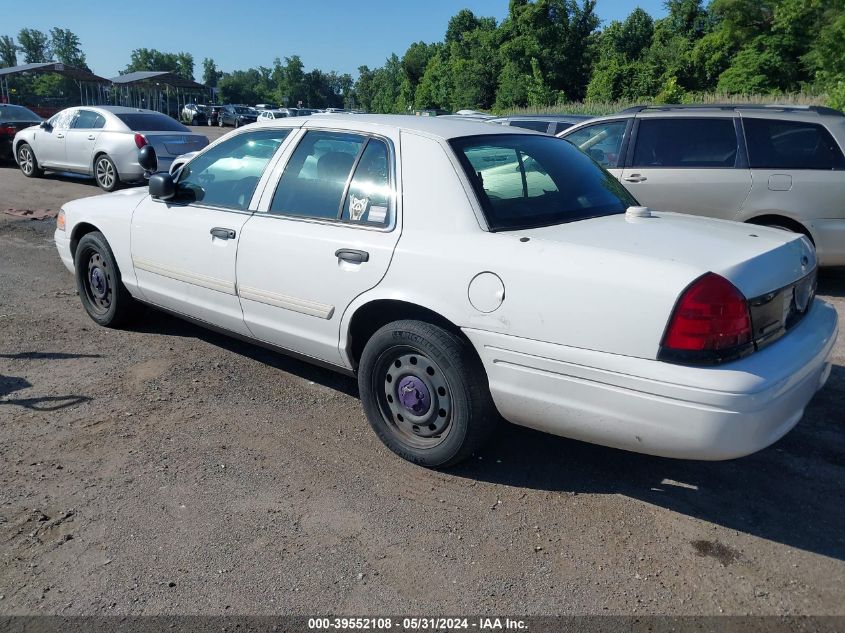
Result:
x=45 y=125
x=162 y=186
x=147 y=158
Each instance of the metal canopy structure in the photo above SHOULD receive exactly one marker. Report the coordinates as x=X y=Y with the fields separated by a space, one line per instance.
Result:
x=92 y=88
x=157 y=90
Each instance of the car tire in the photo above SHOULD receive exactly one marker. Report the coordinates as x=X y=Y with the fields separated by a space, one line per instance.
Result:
x=220 y=122
x=27 y=162
x=194 y=121
x=99 y=283
x=425 y=393
x=105 y=173
x=237 y=123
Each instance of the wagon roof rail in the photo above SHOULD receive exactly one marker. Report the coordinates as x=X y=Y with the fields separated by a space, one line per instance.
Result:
x=822 y=110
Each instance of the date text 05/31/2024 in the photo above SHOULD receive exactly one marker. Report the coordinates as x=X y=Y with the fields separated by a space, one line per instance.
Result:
x=417 y=624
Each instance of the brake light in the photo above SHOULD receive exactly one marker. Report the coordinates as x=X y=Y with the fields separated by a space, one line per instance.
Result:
x=140 y=141
x=711 y=324
x=8 y=130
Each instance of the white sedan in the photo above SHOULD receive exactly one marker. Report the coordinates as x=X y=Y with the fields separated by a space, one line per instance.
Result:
x=465 y=272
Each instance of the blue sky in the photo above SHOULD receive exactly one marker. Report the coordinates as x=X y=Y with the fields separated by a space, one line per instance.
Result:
x=327 y=34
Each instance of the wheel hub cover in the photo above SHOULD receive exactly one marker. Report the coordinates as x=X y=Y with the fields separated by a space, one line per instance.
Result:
x=98 y=283
x=414 y=395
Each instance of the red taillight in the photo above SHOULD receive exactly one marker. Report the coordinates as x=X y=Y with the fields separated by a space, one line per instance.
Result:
x=711 y=322
x=140 y=140
x=8 y=130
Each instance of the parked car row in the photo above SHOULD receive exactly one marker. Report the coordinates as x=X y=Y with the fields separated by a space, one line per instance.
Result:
x=553 y=298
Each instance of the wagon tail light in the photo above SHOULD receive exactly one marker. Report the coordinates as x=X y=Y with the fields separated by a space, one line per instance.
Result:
x=7 y=130
x=711 y=324
x=140 y=141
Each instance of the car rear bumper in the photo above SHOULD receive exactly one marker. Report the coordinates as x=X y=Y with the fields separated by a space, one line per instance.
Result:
x=647 y=406
x=829 y=237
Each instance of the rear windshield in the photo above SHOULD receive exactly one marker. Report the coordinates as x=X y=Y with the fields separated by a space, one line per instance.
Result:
x=243 y=110
x=151 y=123
x=17 y=113
x=527 y=181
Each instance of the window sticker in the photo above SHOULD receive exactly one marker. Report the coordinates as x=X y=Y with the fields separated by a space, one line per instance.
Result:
x=377 y=214
x=358 y=207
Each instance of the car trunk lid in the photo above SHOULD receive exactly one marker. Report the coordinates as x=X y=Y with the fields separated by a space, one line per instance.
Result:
x=174 y=144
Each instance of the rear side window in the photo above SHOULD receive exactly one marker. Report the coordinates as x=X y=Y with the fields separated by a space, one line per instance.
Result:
x=88 y=120
x=774 y=144
x=151 y=123
x=683 y=143
x=316 y=175
x=369 y=197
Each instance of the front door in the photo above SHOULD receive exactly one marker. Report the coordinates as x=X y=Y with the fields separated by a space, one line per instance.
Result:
x=326 y=237
x=81 y=138
x=50 y=143
x=688 y=165
x=184 y=251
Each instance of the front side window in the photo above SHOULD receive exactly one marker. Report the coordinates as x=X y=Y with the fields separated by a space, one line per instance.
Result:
x=774 y=144
x=227 y=174
x=602 y=142
x=316 y=175
x=680 y=143
x=61 y=120
x=531 y=181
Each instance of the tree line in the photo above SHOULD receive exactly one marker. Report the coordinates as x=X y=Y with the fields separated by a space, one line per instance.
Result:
x=543 y=53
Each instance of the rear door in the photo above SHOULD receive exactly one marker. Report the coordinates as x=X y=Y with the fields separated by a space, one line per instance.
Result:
x=81 y=138
x=688 y=165
x=323 y=235
x=797 y=167
x=604 y=142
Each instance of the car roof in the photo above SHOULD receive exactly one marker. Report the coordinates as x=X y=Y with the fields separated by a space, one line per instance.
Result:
x=430 y=126
x=119 y=109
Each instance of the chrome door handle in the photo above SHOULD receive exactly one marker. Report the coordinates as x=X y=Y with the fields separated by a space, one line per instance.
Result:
x=223 y=234
x=635 y=178
x=352 y=256
x=60 y=135
x=91 y=137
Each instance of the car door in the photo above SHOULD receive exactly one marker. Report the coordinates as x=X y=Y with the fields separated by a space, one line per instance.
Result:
x=605 y=142
x=81 y=138
x=326 y=236
x=797 y=169
x=184 y=250
x=688 y=165
x=49 y=146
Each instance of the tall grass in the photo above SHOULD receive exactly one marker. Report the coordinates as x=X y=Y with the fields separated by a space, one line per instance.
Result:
x=598 y=108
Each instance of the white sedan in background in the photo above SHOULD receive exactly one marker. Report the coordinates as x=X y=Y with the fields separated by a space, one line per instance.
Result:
x=103 y=142
x=464 y=272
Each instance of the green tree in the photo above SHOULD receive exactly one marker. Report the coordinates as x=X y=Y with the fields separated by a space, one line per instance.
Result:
x=289 y=79
x=210 y=74
x=8 y=52
x=67 y=48
x=35 y=46
x=181 y=64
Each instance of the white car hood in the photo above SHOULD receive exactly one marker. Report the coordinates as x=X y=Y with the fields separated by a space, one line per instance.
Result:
x=756 y=259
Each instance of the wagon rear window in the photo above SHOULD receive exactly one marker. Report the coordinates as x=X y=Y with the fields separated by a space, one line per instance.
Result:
x=531 y=181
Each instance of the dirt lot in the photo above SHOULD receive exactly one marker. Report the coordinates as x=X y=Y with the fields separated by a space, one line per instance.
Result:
x=168 y=470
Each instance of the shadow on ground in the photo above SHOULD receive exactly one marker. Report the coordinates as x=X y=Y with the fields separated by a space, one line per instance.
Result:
x=792 y=493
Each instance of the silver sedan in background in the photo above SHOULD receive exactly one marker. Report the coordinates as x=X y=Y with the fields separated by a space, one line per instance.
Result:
x=103 y=142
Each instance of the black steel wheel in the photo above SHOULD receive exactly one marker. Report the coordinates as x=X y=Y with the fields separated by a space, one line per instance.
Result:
x=98 y=281
x=27 y=162
x=425 y=393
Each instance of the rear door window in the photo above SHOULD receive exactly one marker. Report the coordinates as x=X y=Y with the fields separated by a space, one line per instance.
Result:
x=774 y=144
x=315 y=177
x=682 y=143
x=602 y=141
x=370 y=196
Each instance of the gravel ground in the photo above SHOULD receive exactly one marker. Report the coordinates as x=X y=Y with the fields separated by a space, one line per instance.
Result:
x=168 y=470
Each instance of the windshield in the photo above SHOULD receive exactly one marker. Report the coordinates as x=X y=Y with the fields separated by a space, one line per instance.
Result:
x=528 y=181
x=18 y=113
x=151 y=123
